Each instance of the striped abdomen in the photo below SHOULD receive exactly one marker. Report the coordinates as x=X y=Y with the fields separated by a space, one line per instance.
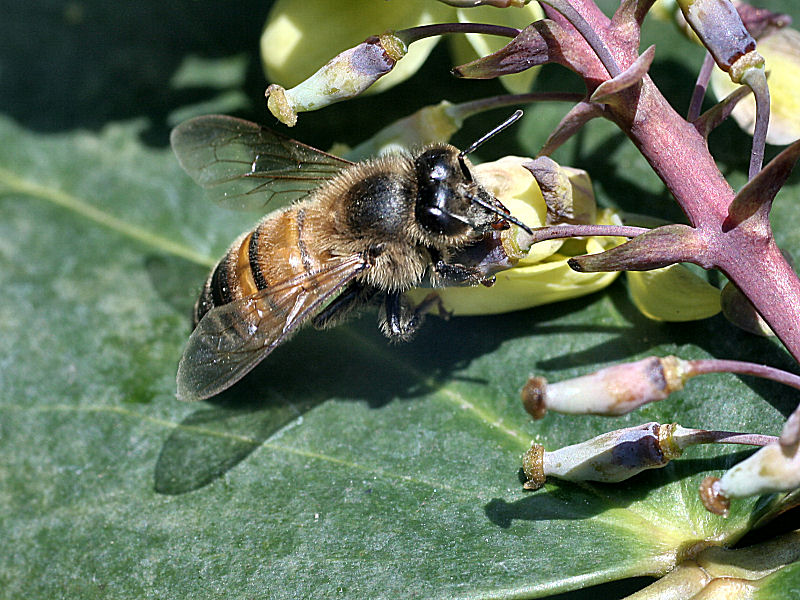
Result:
x=274 y=252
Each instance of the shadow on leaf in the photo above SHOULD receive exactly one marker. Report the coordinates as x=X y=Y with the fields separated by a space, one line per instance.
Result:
x=352 y=361
x=562 y=500
x=211 y=441
x=120 y=62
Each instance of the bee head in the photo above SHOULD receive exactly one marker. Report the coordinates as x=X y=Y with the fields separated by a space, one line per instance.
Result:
x=449 y=201
x=445 y=192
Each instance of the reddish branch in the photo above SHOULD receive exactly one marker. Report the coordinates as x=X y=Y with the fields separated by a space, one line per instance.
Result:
x=727 y=231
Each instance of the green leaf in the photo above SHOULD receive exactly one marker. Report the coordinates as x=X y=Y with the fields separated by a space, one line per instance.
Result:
x=342 y=466
x=783 y=584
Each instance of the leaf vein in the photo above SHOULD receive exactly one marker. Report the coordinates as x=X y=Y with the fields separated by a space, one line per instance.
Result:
x=13 y=183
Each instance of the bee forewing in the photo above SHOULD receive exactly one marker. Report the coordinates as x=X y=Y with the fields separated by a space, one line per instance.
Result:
x=246 y=166
x=230 y=340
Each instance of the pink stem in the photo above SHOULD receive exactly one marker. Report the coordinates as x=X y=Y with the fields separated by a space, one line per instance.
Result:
x=745 y=251
x=540 y=234
x=714 y=365
x=700 y=88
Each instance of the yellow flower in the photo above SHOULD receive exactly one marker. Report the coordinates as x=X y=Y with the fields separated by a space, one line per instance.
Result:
x=302 y=36
x=673 y=293
x=781 y=50
x=543 y=276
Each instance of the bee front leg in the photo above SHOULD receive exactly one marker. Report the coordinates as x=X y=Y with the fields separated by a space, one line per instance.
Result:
x=447 y=274
x=400 y=320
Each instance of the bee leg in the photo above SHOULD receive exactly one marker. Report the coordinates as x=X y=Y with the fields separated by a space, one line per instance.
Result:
x=355 y=296
x=399 y=320
x=447 y=274
x=431 y=301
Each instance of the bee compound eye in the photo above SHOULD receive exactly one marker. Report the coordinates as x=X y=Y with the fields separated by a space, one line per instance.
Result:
x=436 y=220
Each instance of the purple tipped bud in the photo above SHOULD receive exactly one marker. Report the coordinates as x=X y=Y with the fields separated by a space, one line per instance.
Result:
x=620 y=454
x=615 y=390
x=610 y=457
x=720 y=29
x=346 y=75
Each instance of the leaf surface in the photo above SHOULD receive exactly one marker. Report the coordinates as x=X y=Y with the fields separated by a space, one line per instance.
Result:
x=343 y=466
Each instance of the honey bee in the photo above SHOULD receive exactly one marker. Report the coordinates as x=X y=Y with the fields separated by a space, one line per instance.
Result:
x=355 y=234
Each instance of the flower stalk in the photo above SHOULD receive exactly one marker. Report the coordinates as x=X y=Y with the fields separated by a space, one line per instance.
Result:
x=413 y=34
x=703 y=77
x=495 y=3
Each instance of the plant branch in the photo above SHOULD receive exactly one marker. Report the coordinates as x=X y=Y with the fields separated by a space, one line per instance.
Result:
x=472 y=107
x=412 y=34
x=700 y=87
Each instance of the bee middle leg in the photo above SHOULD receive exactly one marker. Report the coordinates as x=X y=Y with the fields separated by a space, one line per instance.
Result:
x=400 y=320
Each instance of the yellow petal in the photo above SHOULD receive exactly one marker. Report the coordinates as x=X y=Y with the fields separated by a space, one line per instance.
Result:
x=664 y=10
x=511 y=183
x=301 y=36
x=781 y=50
x=429 y=125
x=673 y=293
x=521 y=287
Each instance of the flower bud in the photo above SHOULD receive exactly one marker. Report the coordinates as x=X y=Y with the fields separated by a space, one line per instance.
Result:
x=781 y=50
x=774 y=468
x=612 y=391
x=791 y=429
x=471 y=46
x=301 y=35
x=618 y=455
x=722 y=32
x=344 y=76
x=610 y=457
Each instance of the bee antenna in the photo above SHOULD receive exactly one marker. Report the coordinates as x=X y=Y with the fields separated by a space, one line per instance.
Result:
x=472 y=147
x=507 y=216
x=477 y=143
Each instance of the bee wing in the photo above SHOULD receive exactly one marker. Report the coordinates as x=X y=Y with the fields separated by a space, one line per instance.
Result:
x=233 y=338
x=245 y=166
